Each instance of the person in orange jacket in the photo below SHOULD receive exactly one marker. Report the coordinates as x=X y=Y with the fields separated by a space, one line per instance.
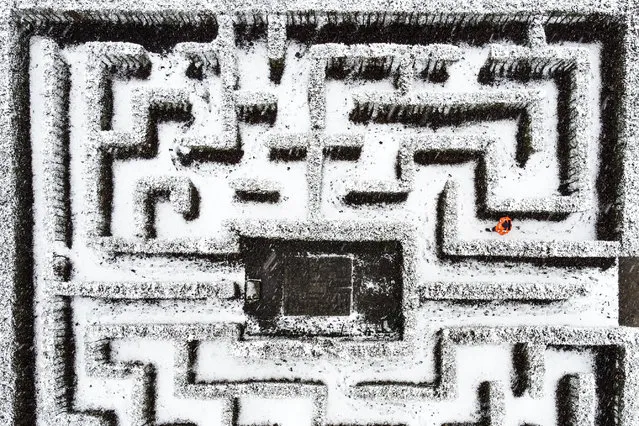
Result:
x=504 y=226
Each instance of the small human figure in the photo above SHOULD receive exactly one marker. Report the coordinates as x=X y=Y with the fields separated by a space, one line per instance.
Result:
x=503 y=227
